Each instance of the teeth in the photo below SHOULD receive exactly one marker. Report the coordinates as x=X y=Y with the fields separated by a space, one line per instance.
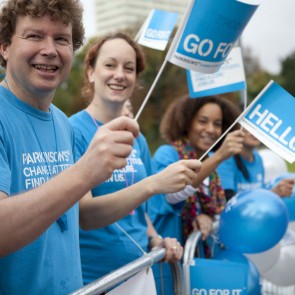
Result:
x=45 y=67
x=117 y=87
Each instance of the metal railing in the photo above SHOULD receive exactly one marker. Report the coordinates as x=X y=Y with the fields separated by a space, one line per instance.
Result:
x=191 y=250
x=114 y=278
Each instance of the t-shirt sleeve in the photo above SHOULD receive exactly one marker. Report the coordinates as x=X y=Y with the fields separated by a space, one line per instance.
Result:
x=164 y=156
x=226 y=171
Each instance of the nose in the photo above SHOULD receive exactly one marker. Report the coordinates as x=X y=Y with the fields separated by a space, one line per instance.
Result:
x=210 y=128
x=119 y=74
x=49 y=47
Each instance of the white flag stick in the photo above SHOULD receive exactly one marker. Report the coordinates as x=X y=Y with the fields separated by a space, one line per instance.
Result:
x=150 y=91
x=174 y=42
x=237 y=120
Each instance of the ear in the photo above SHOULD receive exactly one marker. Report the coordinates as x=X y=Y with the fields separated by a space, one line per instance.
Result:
x=4 y=51
x=90 y=75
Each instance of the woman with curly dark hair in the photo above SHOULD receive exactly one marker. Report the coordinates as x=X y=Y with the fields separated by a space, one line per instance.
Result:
x=190 y=127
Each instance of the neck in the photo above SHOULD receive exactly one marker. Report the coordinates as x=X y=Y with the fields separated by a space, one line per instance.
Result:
x=42 y=102
x=104 y=112
x=247 y=154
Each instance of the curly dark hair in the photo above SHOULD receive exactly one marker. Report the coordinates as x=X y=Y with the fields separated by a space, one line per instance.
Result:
x=93 y=52
x=65 y=11
x=177 y=120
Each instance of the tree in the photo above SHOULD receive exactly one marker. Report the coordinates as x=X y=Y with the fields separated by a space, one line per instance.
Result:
x=287 y=73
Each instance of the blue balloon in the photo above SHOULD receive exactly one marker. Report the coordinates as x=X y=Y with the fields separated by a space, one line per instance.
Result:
x=253 y=221
x=253 y=283
x=289 y=201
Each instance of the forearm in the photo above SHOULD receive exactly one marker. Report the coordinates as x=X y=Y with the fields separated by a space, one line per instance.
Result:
x=209 y=165
x=24 y=217
x=101 y=211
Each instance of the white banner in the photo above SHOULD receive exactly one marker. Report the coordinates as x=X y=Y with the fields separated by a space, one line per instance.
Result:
x=229 y=78
x=142 y=283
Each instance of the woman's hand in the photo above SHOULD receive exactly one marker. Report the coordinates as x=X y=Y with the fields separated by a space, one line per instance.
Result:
x=284 y=188
x=232 y=144
x=175 y=177
x=174 y=250
x=203 y=223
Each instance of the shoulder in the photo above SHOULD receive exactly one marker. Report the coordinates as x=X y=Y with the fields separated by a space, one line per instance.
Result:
x=78 y=118
x=164 y=156
x=166 y=149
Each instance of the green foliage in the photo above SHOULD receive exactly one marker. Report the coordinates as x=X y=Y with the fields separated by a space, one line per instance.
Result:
x=287 y=73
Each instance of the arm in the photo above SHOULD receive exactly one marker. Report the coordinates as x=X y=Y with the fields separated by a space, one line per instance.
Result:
x=99 y=212
x=24 y=217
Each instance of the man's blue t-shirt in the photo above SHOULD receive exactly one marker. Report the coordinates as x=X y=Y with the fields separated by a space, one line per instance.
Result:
x=35 y=146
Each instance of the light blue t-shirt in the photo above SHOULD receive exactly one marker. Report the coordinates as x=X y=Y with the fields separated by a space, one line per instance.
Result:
x=166 y=218
x=233 y=179
x=35 y=146
x=106 y=249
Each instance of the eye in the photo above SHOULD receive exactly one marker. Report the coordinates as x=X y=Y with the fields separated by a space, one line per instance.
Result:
x=63 y=40
x=130 y=69
x=33 y=37
x=109 y=65
x=202 y=121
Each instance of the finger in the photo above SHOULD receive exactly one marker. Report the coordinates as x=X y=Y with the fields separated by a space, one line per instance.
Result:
x=120 y=150
x=192 y=164
x=123 y=137
x=124 y=123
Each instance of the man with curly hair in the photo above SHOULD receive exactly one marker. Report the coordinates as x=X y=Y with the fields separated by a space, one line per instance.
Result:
x=39 y=183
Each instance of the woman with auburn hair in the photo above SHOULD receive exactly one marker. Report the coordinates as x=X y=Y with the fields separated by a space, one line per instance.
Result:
x=112 y=66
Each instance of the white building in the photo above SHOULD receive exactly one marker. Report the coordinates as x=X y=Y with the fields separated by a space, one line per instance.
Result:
x=114 y=15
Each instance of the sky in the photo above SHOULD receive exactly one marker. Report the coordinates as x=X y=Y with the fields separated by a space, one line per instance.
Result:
x=270 y=32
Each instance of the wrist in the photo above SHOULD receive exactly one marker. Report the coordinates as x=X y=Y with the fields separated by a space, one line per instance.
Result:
x=153 y=239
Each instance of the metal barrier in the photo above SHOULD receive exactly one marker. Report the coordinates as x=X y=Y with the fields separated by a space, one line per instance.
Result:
x=108 y=281
x=191 y=250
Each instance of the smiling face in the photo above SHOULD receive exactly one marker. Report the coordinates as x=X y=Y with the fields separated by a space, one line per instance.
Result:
x=206 y=127
x=39 y=58
x=114 y=74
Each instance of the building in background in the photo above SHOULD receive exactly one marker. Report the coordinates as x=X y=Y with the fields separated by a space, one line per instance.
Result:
x=114 y=15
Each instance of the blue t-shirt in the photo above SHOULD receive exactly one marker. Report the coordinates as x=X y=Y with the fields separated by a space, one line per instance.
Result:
x=35 y=146
x=106 y=249
x=166 y=218
x=233 y=179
